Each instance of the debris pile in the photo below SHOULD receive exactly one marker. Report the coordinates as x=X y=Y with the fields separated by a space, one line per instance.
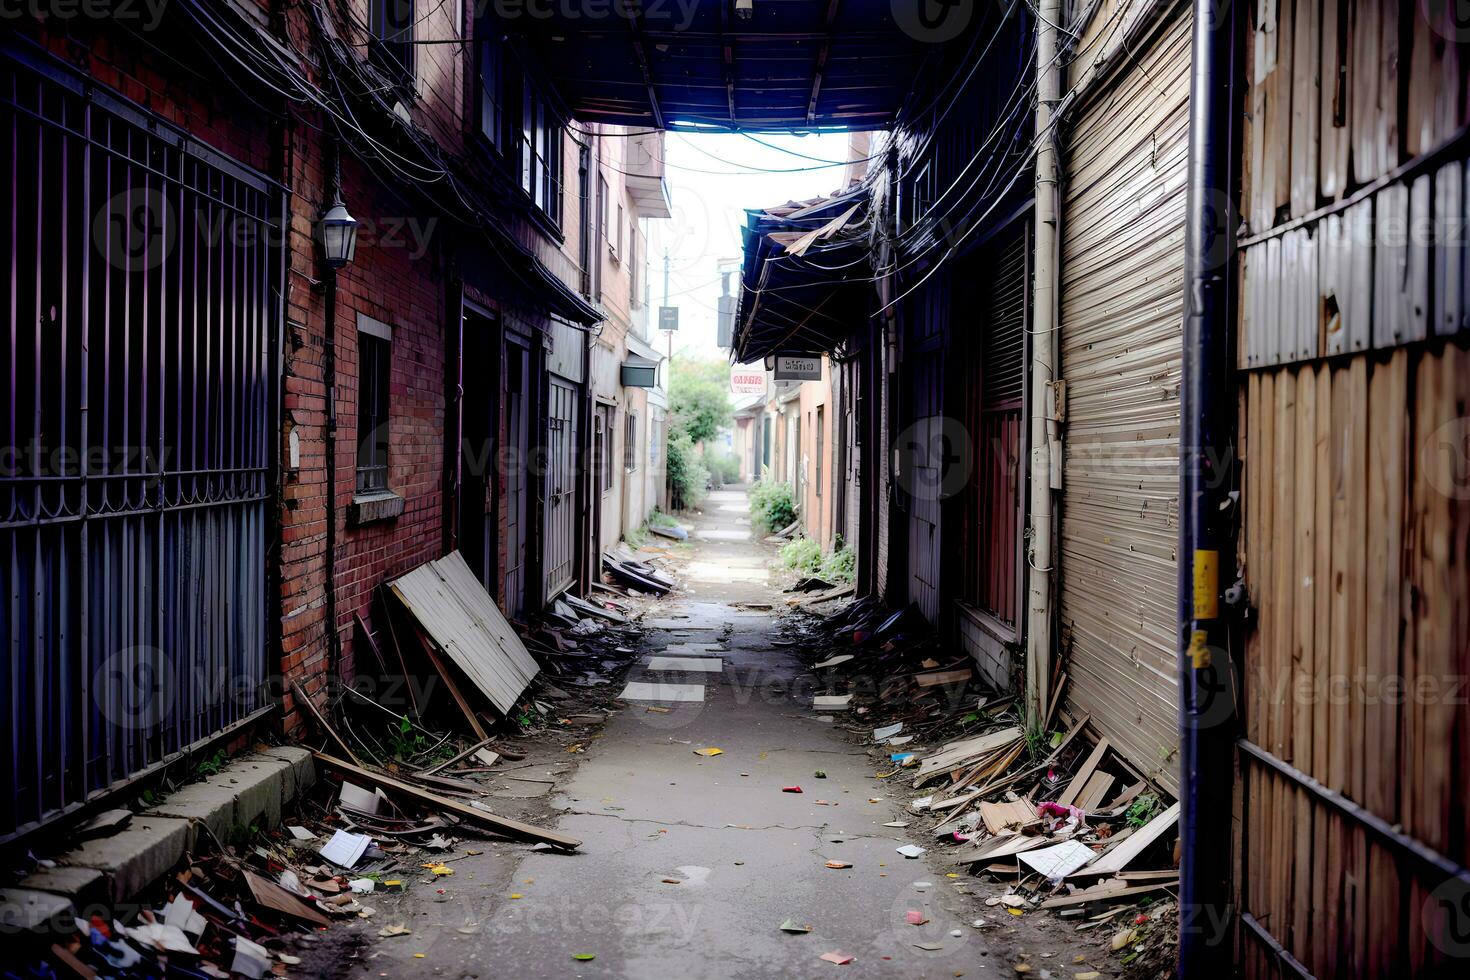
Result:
x=1058 y=818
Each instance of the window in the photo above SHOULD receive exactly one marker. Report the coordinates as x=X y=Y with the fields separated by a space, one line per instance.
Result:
x=540 y=152
x=604 y=206
x=602 y=433
x=374 y=348
x=821 y=441
x=635 y=290
x=492 y=88
x=630 y=441
x=391 y=50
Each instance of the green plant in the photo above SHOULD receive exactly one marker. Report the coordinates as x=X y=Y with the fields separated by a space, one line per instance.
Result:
x=210 y=766
x=637 y=537
x=772 y=506
x=1143 y=809
x=659 y=519
x=699 y=397
x=839 y=567
x=801 y=555
x=723 y=466
x=687 y=475
x=406 y=741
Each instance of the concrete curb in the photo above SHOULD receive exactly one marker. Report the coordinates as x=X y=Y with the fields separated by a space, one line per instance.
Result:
x=250 y=790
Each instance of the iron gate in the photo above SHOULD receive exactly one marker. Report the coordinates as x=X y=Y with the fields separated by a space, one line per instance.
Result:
x=136 y=483
x=561 y=486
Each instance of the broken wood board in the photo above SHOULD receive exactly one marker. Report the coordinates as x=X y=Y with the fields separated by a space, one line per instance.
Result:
x=1003 y=846
x=1107 y=890
x=956 y=754
x=938 y=677
x=274 y=897
x=1098 y=786
x=1118 y=858
x=475 y=814
x=1004 y=817
x=460 y=617
x=1069 y=797
x=305 y=701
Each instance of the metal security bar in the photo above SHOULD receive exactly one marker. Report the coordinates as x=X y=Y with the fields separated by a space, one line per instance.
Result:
x=135 y=481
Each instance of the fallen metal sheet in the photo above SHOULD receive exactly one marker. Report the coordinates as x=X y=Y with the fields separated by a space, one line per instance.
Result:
x=647 y=691
x=458 y=614
x=712 y=665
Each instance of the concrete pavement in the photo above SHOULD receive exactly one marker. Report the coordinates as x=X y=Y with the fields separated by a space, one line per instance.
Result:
x=690 y=864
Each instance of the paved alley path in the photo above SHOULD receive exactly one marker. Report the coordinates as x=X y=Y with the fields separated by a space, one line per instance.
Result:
x=689 y=864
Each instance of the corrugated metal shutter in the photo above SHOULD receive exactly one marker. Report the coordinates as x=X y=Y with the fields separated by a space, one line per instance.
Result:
x=1121 y=309
x=560 y=514
x=1003 y=341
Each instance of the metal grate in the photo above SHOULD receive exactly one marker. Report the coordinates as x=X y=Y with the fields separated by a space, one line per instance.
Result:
x=135 y=483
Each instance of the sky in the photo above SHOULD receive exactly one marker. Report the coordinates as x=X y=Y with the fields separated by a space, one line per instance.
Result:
x=711 y=182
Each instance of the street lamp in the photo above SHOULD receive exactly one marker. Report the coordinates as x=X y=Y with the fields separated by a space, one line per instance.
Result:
x=338 y=231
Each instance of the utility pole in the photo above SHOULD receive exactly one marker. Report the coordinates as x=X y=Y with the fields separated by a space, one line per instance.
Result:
x=1039 y=598
x=666 y=303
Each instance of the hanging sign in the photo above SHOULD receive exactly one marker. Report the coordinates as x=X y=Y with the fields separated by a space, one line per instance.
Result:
x=797 y=367
x=747 y=381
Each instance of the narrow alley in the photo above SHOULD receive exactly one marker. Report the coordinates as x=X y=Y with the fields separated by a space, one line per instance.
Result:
x=735 y=488
x=690 y=865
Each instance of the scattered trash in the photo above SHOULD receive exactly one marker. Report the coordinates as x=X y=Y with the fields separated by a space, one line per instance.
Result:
x=910 y=850
x=398 y=929
x=915 y=918
x=791 y=789
x=838 y=864
x=792 y=926
x=841 y=959
x=820 y=774
x=345 y=849
x=709 y=752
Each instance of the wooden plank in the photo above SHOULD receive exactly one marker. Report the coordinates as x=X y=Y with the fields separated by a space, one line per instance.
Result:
x=1306 y=69
x=484 y=818
x=1098 y=786
x=938 y=677
x=1385 y=575
x=273 y=896
x=1304 y=651
x=1119 y=857
x=1278 y=149
x=321 y=722
x=1103 y=894
x=1367 y=24
x=1084 y=772
x=446 y=675
x=1321 y=662
x=1332 y=113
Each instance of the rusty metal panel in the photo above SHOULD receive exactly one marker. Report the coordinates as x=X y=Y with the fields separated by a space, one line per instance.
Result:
x=1121 y=357
x=1346 y=276
x=136 y=500
x=1391 y=317
x=463 y=621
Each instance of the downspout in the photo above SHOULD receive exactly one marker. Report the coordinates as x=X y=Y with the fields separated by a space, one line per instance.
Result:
x=1206 y=712
x=329 y=383
x=1044 y=431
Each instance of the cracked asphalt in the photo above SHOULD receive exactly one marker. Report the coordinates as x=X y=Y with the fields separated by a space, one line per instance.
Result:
x=690 y=865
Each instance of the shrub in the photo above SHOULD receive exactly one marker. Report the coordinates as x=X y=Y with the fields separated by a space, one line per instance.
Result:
x=772 y=507
x=801 y=555
x=687 y=475
x=723 y=466
x=839 y=567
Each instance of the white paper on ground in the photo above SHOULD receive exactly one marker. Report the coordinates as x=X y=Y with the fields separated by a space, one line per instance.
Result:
x=910 y=850
x=250 y=960
x=831 y=702
x=361 y=886
x=156 y=935
x=181 y=914
x=922 y=803
x=1058 y=861
x=356 y=798
x=344 y=849
x=299 y=832
x=887 y=731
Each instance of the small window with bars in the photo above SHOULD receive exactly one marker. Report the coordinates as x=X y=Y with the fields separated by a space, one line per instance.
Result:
x=630 y=441
x=374 y=350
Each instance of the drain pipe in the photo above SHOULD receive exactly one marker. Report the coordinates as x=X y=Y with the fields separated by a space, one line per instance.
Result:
x=1043 y=366
x=329 y=383
x=1206 y=711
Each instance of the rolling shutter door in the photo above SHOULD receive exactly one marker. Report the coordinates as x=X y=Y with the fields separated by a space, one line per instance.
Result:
x=1123 y=214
